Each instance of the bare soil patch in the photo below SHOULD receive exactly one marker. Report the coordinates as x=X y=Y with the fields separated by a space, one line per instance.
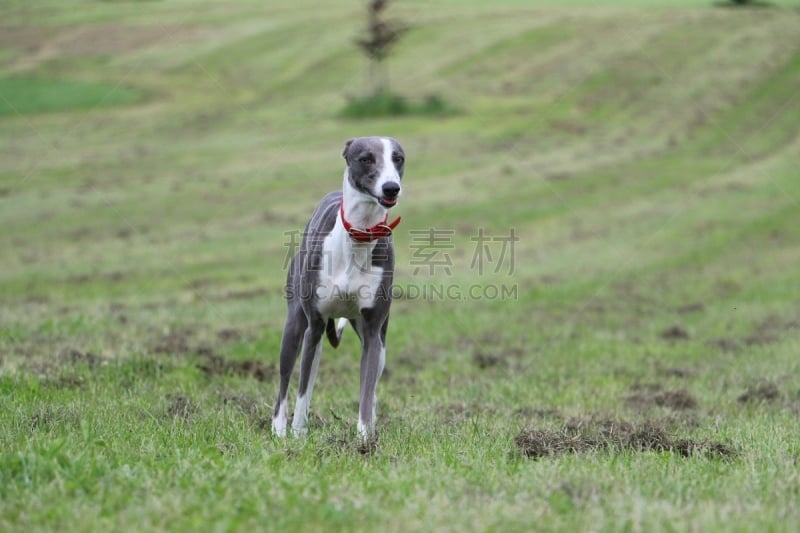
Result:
x=179 y=406
x=216 y=365
x=694 y=307
x=674 y=372
x=26 y=39
x=176 y=342
x=368 y=447
x=246 y=404
x=675 y=333
x=581 y=435
x=484 y=360
x=501 y=352
x=538 y=413
x=75 y=357
x=760 y=393
x=229 y=335
x=345 y=442
x=771 y=329
x=678 y=400
x=57 y=371
x=47 y=416
x=726 y=344
x=65 y=382
x=42 y=44
x=459 y=411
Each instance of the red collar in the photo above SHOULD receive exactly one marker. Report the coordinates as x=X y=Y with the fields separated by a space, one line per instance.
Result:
x=369 y=234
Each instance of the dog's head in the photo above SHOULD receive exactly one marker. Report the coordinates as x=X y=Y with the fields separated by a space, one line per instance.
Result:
x=375 y=168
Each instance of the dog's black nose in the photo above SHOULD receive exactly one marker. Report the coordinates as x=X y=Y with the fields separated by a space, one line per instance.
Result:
x=391 y=189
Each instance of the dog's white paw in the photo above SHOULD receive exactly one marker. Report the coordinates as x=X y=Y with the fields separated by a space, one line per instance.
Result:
x=278 y=429
x=279 y=421
x=366 y=431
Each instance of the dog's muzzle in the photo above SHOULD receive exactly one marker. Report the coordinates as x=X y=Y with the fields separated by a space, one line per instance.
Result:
x=390 y=191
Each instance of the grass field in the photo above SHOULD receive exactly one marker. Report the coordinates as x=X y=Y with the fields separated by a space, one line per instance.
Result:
x=633 y=367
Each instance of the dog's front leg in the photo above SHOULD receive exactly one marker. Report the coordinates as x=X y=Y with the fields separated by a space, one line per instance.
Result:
x=372 y=361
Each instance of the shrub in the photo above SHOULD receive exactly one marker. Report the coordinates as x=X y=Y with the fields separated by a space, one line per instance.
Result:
x=387 y=104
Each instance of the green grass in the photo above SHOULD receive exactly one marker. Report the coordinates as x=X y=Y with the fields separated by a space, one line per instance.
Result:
x=27 y=95
x=644 y=153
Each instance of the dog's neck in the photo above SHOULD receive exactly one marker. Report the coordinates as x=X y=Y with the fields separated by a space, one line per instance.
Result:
x=360 y=210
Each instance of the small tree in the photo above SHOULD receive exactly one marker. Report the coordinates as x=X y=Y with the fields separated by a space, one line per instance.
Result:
x=380 y=37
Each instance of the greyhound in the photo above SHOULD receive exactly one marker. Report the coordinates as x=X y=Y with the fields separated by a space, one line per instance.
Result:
x=343 y=270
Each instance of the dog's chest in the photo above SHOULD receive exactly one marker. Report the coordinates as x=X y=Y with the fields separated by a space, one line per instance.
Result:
x=347 y=282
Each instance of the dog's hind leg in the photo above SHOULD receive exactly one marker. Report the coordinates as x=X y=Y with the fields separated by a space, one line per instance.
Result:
x=334 y=331
x=296 y=323
x=309 y=364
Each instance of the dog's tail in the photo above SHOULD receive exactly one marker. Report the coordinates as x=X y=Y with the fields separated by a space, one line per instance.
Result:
x=334 y=331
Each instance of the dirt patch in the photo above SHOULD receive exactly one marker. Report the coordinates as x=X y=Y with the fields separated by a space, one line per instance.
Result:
x=37 y=44
x=588 y=435
x=107 y=277
x=344 y=442
x=47 y=417
x=457 y=412
x=111 y=38
x=678 y=400
x=179 y=406
x=56 y=372
x=484 y=360
x=41 y=299
x=538 y=413
x=26 y=39
x=65 y=382
x=229 y=335
x=770 y=330
x=647 y=386
x=264 y=424
x=725 y=344
x=760 y=393
x=572 y=127
x=248 y=405
x=175 y=342
x=766 y=333
x=408 y=361
x=368 y=447
x=675 y=333
x=77 y=357
x=216 y=365
x=694 y=307
x=674 y=372
x=502 y=352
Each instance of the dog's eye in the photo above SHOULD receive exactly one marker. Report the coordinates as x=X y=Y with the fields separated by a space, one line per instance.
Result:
x=366 y=160
x=398 y=160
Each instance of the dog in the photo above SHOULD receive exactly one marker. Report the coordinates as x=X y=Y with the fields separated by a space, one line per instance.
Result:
x=342 y=273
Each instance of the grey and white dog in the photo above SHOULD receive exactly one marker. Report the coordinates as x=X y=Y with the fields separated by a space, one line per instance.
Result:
x=343 y=270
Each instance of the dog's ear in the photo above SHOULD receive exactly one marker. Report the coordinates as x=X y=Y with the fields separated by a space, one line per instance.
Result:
x=346 y=147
